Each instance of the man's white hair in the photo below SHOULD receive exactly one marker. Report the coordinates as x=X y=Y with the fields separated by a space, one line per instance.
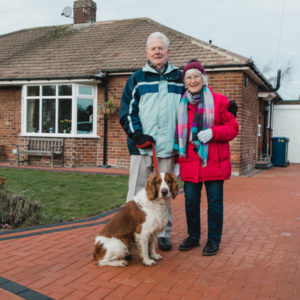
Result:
x=158 y=35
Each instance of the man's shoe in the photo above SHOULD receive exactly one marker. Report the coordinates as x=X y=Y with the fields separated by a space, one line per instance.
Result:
x=211 y=248
x=164 y=243
x=188 y=244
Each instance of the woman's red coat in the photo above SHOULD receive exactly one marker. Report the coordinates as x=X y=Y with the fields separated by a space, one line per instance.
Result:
x=225 y=128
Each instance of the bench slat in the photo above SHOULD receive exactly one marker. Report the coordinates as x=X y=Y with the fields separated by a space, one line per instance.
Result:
x=43 y=147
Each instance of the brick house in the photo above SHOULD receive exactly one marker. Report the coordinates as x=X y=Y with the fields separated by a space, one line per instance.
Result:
x=54 y=81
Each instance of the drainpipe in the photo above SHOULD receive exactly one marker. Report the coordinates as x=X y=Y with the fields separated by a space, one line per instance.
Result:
x=104 y=79
x=265 y=119
x=268 y=111
x=271 y=110
x=105 y=127
x=278 y=80
x=271 y=127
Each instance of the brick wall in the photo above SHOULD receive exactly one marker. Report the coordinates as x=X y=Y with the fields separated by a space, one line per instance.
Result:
x=89 y=151
x=246 y=144
x=249 y=121
x=230 y=84
x=81 y=152
x=117 y=152
x=10 y=119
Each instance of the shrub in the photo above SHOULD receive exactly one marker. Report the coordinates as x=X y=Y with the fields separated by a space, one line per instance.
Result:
x=16 y=209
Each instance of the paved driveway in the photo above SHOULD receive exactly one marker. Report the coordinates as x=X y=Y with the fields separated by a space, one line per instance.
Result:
x=259 y=256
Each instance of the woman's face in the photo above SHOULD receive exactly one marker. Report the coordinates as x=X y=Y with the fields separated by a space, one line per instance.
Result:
x=193 y=81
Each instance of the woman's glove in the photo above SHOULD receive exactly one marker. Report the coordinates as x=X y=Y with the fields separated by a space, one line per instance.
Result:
x=176 y=170
x=205 y=136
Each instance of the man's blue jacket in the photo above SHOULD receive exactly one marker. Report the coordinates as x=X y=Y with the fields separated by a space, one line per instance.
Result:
x=149 y=105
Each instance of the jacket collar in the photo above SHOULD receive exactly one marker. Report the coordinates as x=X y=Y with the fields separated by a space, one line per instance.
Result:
x=170 y=68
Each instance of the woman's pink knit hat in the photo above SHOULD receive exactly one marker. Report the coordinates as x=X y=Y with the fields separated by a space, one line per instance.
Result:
x=193 y=64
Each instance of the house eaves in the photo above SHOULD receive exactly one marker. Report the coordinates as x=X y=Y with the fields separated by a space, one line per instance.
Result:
x=44 y=80
x=249 y=68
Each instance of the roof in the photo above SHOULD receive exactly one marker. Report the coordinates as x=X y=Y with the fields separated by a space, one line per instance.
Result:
x=68 y=50
x=83 y=50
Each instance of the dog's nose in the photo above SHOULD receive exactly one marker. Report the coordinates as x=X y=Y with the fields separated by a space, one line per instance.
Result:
x=164 y=192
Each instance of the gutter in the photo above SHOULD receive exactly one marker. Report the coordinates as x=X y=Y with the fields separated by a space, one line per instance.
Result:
x=248 y=66
x=62 y=79
x=115 y=72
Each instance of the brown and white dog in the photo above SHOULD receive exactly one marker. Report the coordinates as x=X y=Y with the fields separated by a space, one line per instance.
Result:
x=137 y=224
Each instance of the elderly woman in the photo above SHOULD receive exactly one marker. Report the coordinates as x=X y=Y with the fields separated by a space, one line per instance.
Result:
x=203 y=132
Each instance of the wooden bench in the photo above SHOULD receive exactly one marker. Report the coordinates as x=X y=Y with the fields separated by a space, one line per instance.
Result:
x=52 y=147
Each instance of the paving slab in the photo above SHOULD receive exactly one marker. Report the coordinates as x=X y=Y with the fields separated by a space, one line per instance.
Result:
x=259 y=256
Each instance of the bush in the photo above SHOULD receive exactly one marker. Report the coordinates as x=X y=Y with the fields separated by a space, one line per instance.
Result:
x=16 y=209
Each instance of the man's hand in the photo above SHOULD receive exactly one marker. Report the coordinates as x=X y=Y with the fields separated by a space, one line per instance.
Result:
x=205 y=136
x=143 y=141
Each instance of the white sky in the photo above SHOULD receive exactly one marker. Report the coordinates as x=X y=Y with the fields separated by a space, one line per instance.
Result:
x=265 y=30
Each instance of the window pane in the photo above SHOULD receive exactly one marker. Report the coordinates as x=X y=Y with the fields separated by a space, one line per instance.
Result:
x=48 y=90
x=33 y=113
x=33 y=91
x=65 y=115
x=48 y=115
x=65 y=90
x=85 y=90
x=84 y=115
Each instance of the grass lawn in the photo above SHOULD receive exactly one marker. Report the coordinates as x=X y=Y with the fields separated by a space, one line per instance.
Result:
x=67 y=196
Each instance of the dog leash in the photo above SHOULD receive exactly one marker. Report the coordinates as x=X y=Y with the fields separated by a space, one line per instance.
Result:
x=148 y=143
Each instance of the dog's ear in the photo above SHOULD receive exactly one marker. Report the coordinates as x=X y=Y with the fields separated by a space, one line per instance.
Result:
x=99 y=251
x=151 y=189
x=173 y=185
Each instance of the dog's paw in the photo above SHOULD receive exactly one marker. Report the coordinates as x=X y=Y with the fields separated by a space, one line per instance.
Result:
x=149 y=262
x=156 y=256
x=123 y=263
x=113 y=263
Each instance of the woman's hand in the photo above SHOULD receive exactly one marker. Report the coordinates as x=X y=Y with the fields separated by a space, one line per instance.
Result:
x=204 y=136
x=176 y=170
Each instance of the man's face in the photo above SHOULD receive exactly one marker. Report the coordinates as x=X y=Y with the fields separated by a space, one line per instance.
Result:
x=157 y=52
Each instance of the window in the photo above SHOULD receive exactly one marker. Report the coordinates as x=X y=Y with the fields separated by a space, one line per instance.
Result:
x=59 y=109
x=84 y=110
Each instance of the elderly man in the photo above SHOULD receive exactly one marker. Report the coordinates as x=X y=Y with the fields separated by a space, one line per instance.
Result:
x=148 y=112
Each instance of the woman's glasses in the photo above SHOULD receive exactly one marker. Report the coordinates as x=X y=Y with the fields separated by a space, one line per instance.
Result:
x=193 y=77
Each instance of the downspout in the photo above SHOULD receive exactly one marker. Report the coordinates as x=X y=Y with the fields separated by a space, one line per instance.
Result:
x=278 y=80
x=103 y=76
x=267 y=139
x=104 y=165
x=271 y=128
x=271 y=110
x=265 y=119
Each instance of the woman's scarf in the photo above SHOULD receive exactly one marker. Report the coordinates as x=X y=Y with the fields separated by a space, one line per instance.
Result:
x=203 y=119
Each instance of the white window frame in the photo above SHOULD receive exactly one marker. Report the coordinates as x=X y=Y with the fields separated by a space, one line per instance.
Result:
x=74 y=97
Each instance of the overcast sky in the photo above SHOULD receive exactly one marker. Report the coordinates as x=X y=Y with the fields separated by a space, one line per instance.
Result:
x=265 y=30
